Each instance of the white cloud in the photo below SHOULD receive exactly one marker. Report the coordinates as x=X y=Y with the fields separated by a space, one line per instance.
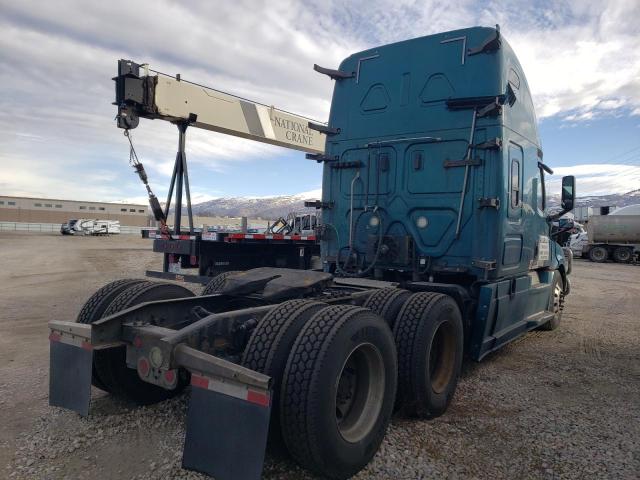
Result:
x=582 y=59
x=597 y=179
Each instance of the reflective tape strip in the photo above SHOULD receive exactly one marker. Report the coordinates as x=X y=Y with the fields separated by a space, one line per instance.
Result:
x=259 y=398
x=260 y=236
x=236 y=390
x=70 y=340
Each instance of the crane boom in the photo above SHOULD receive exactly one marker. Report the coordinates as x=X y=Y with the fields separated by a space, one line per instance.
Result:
x=154 y=95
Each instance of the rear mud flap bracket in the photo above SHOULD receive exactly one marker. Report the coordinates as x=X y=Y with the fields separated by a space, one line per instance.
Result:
x=227 y=427
x=70 y=373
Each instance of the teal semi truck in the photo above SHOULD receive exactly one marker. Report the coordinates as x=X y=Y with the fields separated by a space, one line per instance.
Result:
x=435 y=246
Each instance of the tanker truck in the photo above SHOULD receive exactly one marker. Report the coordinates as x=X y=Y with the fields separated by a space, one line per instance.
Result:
x=615 y=236
x=435 y=245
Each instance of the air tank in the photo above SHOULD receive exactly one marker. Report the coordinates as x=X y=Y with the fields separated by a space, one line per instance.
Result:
x=614 y=229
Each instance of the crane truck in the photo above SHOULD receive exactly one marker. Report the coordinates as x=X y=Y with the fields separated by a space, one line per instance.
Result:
x=435 y=245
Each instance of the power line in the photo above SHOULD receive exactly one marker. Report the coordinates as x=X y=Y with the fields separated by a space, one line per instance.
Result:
x=621 y=155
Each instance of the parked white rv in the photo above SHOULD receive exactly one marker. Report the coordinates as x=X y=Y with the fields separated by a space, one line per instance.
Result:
x=87 y=226
x=105 y=227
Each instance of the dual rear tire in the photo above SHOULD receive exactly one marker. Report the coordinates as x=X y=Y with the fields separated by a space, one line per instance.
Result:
x=338 y=390
x=430 y=339
x=110 y=372
x=217 y=283
x=94 y=309
x=623 y=254
x=268 y=350
x=600 y=254
x=336 y=370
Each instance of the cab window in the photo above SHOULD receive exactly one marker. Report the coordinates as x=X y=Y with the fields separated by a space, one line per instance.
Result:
x=541 y=201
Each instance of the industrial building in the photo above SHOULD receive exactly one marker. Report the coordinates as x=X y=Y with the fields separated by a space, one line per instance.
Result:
x=47 y=210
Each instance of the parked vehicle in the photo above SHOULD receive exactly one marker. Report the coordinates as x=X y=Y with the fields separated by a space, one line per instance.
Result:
x=69 y=227
x=200 y=256
x=86 y=226
x=104 y=227
x=435 y=244
x=614 y=236
x=582 y=214
x=577 y=242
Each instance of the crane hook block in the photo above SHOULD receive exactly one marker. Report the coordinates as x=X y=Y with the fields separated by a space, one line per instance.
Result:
x=127 y=117
x=154 y=203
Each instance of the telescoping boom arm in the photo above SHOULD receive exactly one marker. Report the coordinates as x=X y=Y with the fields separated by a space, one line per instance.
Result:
x=141 y=92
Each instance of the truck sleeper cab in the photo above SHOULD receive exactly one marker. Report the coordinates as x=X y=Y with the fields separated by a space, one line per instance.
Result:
x=434 y=242
x=435 y=173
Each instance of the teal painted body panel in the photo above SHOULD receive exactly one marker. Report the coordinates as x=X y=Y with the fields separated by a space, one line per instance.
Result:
x=395 y=192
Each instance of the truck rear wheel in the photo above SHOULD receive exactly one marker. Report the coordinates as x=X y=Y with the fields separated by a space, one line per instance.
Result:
x=217 y=283
x=622 y=254
x=429 y=336
x=269 y=347
x=338 y=390
x=598 y=254
x=111 y=365
x=94 y=309
x=387 y=302
x=556 y=303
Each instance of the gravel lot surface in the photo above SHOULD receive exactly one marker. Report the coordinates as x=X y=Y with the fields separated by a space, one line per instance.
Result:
x=561 y=404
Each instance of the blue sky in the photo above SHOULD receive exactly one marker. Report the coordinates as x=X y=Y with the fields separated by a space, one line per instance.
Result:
x=58 y=138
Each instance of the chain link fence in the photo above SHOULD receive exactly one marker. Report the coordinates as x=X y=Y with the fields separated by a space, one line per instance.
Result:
x=53 y=228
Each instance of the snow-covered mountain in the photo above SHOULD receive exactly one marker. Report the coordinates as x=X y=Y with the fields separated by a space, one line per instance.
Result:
x=277 y=206
x=613 y=200
x=258 y=207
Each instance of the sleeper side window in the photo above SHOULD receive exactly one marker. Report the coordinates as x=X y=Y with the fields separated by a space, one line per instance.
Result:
x=516 y=194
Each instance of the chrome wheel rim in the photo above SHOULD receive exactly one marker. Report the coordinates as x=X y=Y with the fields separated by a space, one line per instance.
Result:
x=359 y=388
x=557 y=293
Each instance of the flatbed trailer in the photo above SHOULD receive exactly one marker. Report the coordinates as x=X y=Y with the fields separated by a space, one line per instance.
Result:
x=200 y=256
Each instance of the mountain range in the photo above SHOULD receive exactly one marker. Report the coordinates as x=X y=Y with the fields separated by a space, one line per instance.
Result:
x=269 y=208
x=277 y=206
x=613 y=200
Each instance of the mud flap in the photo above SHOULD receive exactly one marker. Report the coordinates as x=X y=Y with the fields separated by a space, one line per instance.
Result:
x=70 y=374
x=227 y=427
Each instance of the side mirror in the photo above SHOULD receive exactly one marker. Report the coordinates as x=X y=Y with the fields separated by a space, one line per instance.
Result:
x=568 y=193
x=567 y=199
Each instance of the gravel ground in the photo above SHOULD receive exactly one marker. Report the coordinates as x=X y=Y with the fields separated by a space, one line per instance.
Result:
x=561 y=404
